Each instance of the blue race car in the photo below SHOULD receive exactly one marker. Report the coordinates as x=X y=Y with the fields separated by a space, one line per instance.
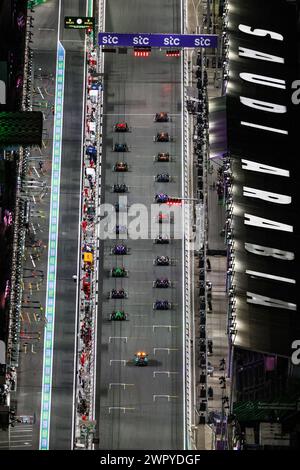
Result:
x=121 y=147
x=120 y=188
x=161 y=198
x=162 y=178
x=120 y=250
x=118 y=294
x=162 y=305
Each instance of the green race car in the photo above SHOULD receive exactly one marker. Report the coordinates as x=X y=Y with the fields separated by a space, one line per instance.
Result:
x=118 y=272
x=118 y=315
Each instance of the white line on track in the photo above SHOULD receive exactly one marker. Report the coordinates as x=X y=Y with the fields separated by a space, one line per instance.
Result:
x=117 y=384
x=40 y=92
x=169 y=397
x=121 y=338
x=183 y=242
x=164 y=372
x=21 y=445
x=113 y=361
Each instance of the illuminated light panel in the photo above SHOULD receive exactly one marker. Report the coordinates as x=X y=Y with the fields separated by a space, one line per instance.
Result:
x=142 y=52
x=174 y=201
x=173 y=53
x=52 y=252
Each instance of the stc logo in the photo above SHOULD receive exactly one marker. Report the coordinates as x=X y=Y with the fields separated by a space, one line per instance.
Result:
x=110 y=39
x=202 y=42
x=140 y=41
x=170 y=41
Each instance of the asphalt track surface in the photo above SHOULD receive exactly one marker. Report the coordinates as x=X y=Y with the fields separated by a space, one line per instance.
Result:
x=64 y=335
x=135 y=89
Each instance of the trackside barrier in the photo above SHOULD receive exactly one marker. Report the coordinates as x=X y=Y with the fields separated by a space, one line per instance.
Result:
x=89 y=270
x=16 y=290
x=187 y=267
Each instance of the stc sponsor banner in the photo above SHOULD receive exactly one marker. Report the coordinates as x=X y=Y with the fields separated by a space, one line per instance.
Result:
x=157 y=40
x=262 y=140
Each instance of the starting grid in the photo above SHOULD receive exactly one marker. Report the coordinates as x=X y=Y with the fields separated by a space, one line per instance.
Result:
x=104 y=39
x=52 y=252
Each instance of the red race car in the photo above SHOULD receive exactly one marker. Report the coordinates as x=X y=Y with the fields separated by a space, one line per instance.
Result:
x=162 y=137
x=161 y=117
x=121 y=127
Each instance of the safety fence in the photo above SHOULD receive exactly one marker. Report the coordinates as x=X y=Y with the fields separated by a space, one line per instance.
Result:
x=85 y=386
x=196 y=158
x=20 y=216
x=20 y=220
x=187 y=331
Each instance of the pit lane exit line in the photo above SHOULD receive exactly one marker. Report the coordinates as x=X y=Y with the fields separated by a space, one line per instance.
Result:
x=121 y=338
x=123 y=408
x=123 y=361
x=165 y=349
x=120 y=384
x=169 y=397
x=164 y=372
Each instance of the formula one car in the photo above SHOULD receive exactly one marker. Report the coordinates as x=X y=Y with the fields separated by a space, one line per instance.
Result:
x=162 y=137
x=121 y=229
x=161 y=198
x=121 y=147
x=162 y=305
x=120 y=250
x=120 y=167
x=120 y=188
x=119 y=272
x=162 y=261
x=118 y=294
x=141 y=358
x=161 y=117
x=163 y=178
x=163 y=157
x=118 y=315
x=162 y=240
x=121 y=127
x=162 y=283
